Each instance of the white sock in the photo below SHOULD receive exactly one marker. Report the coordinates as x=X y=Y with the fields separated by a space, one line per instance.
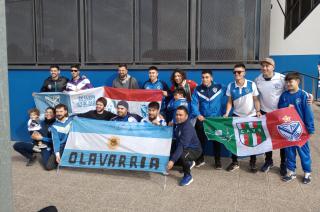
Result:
x=306 y=175
x=291 y=172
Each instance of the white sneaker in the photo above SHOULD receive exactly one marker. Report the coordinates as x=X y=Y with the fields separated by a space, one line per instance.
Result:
x=42 y=146
x=36 y=148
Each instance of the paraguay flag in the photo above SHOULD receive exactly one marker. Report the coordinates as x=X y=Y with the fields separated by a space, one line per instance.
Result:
x=138 y=99
x=117 y=145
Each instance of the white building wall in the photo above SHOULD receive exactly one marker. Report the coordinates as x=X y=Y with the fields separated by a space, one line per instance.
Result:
x=304 y=40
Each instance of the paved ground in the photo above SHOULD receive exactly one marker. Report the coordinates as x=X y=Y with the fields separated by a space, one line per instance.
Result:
x=105 y=190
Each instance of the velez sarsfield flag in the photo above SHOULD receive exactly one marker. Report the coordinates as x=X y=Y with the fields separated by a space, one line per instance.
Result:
x=244 y=136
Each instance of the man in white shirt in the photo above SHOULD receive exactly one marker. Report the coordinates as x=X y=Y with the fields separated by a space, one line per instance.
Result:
x=271 y=85
x=243 y=96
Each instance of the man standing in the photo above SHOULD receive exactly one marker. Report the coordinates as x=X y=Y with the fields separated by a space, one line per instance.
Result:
x=123 y=114
x=155 y=84
x=54 y=83
x=77 y=83
x=99 y=113
x=153 y=115
x=60 y=130
x=271 y=85
x=243 y=97
x=208 y=100
x=124 y=80
x=187 y=147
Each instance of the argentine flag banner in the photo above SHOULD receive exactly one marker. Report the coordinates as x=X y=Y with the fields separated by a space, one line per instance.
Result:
x=117 y=145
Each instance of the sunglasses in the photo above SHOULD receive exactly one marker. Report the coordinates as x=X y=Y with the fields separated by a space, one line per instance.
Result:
x=74 y=70
x=237 y=72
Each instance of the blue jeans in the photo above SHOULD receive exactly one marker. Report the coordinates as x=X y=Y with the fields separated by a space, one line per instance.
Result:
x=48 y=158
x=305 y=157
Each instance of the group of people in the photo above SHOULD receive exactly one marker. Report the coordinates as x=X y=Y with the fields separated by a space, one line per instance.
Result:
x=184 y=106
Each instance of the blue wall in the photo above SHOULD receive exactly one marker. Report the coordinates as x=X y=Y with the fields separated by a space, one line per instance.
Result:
x=306 y=64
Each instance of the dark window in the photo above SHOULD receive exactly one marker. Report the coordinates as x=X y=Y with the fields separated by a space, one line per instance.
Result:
x=58 y=31
x=163 y=30
x=187 y=33
x=109 y=31
x=20 y=32
x=226 y=30
x=296 y=12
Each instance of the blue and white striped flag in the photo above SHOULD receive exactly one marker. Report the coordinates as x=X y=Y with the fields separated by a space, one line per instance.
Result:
x=117 y=145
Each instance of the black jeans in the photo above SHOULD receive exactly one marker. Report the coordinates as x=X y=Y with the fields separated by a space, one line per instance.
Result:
x=48 y=158
x=203 y=138
x=253 y=158
x=187 y=156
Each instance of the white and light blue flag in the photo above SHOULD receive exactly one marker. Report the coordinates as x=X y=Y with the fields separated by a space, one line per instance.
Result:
x=117 y=145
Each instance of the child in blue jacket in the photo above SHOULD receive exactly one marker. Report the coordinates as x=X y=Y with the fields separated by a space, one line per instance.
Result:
x=179 y=99
x=297 y=98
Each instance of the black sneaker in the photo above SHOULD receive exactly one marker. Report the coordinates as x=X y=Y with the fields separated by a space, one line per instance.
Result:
x=289 y=177
x=217 y=165
x=253 y=167
x=283 y=170
x=31 y=161
x=306 y=180
x=233 y=166
x=266 y=166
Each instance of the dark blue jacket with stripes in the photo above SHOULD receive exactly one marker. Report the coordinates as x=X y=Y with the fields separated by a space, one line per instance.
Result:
x=209 y=101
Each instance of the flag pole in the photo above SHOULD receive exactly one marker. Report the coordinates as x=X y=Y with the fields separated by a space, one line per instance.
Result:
x=6 y=202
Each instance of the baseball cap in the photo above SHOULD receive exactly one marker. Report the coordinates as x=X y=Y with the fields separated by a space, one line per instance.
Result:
x=268 y=60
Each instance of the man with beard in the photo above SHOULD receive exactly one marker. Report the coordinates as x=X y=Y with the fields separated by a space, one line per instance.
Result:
x=54 y=83
x=123 y=114
x=99 y=113
x=60 y=130
x=124 y=80
x=44 y=135
x=153 y=115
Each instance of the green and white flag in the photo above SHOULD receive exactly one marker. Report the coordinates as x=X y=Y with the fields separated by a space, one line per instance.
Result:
x=245 y=136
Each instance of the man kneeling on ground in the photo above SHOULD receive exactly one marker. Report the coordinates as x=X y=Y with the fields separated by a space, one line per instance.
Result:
x=187 y=147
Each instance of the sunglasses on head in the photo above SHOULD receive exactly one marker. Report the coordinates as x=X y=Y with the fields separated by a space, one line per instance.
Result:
x=237 y=72
x=74 y=70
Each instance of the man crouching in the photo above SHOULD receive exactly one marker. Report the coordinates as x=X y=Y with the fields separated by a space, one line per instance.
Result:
x=186 y=148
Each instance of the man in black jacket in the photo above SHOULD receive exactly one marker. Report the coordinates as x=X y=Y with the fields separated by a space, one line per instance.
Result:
x=99 y=113
x=187 y=147
x=54 y=83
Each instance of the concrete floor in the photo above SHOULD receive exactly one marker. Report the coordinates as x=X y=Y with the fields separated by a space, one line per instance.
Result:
x=212 y=190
